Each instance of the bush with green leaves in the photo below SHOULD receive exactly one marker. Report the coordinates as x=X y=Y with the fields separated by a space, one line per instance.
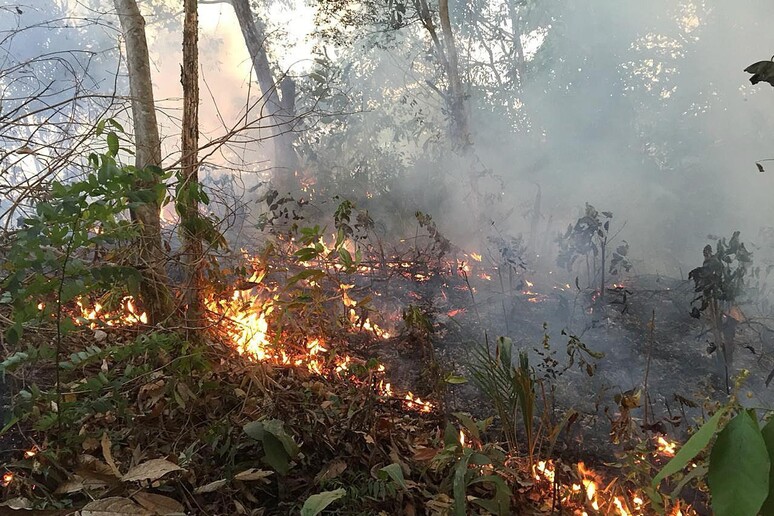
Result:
x=59 y=253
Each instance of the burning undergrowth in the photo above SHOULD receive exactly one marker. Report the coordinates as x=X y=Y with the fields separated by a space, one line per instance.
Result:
x=334 y=361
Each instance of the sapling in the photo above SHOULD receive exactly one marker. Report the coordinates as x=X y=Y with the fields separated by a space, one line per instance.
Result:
x=719 y=282
x=590 y=238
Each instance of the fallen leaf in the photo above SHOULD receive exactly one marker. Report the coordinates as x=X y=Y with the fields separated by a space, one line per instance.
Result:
x=106 y=445
x=17 y=504
x=159 y=504
x=425 y=454
x=252 y=474
x=94 y=465
x=73 y=484
x=114 y=506
x=154 y=469
x=211 y=487
x=332 y=470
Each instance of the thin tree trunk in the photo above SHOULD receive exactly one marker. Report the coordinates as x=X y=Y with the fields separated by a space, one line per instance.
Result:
x=457 y=101
x=517 y=71
x=281 y=110
x=188 y=202
x=151 y=257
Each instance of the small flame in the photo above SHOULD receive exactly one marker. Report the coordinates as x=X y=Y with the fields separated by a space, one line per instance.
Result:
x=7 y=479
x=462 y=438
x=665 y=447
x=30 y=453
x=476 y=256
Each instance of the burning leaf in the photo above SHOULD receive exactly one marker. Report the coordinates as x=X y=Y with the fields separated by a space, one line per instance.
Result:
x=159 y=504
x=153 y=469
x=114 y=506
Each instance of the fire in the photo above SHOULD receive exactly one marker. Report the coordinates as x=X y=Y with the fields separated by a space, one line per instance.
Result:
x=7 y=479
x=414 y=403
x=476 y=256
x=544 y=470
x=30 y=453
x=665 y=447
x=95 y=316
x=462 y=439
x=366 y=324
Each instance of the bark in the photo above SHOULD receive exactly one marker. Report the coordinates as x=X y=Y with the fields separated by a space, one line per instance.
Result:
x=188 y=202
x=517 y=71
x=151 y=257
x=457 y=102
x=281 y=110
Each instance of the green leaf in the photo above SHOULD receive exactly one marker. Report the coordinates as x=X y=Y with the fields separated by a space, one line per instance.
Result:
x=691 y=448
x=395 y=473
x=112 y=141
x=739 y=466
x=455 y=379
x=275 y=454
x=768 y=437
x=317 y=503
x=460 y=485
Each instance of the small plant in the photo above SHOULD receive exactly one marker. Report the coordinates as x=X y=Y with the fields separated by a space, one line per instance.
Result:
x=719 y=282
x=590 y=238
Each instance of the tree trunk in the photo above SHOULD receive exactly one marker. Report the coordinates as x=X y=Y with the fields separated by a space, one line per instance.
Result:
x=151 y=257
x=457 y=100
x=517 y=70
x=281 y=110
x=188 y=196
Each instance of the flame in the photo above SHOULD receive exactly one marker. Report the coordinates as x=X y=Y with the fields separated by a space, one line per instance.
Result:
x=462 y=439
x=28 y=454
x=665 y=447
x=366 y=324
x=414 y=403
x=95 y=316
x=476 y=256
x=7 y=479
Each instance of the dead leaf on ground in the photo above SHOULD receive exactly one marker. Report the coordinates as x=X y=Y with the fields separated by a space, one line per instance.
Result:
x=424 y=454
x=94 y=465
x=106 y=445
x=114 y=506
x=332 y=470
x=252 y=474
x=211 y=487
x=159 y=504
x=154 y=469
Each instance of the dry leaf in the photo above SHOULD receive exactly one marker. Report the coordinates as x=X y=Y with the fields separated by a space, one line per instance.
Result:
x=90 y=444
x=114 y=506
x=154 y=469
x=17 y=504
x=106 y=445
x=424 y=454
x=159 y=504
x=211 y=487
x=73 y=484
x=94 y=465
x=252 y=474
x=332 y=470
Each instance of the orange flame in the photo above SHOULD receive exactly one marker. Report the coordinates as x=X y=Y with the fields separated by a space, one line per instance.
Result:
x=665 y=447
